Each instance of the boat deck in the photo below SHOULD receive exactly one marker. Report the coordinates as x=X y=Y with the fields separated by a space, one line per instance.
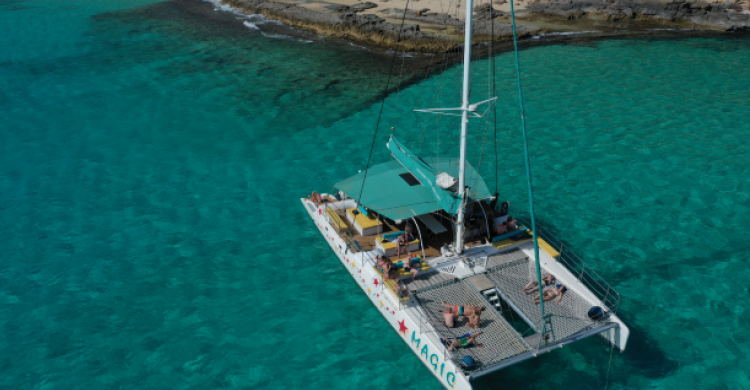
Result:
x=567 y=318
x=432 y=242
x=508 y=272
x=498 y=337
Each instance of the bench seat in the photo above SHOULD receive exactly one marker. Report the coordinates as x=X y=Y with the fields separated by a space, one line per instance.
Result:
x=336 y=220
x=508 y=242
x=391 y=249
x=514 y=233
x=365 y=225
x=548 y=248
x=423 y=266
x=391 y=284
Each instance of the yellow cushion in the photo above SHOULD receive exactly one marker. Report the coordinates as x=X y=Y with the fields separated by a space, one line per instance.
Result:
x=548 y=248
x=336 y=220
x=402 y=272
x=508 y=242
x=363 y=221
x=391 y=284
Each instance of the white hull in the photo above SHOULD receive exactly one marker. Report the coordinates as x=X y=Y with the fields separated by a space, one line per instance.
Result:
x=408 y=320
x=425 y=345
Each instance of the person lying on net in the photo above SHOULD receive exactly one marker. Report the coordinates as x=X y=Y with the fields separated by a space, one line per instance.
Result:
x=552 y=292
x=462 y=342
x=533 y=286
x=470 y=312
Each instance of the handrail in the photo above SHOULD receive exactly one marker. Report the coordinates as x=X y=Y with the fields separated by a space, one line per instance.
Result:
x=575 y=264
x=585 y=274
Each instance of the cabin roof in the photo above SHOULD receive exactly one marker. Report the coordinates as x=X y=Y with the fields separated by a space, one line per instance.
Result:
x=405 y=187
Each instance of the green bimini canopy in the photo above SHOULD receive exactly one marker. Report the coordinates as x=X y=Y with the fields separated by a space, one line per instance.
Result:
x=406 y=186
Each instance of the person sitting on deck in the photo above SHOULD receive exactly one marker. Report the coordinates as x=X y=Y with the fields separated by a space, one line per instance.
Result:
x=533 y=286
x=462 y=342
x=413 y=267
x=470 y=312
x=552 y=292
x=403 y=242
x=401 y=290
x=386 y=267
x=508 y=226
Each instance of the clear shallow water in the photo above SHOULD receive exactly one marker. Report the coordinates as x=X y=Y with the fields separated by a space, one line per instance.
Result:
x=150 y=165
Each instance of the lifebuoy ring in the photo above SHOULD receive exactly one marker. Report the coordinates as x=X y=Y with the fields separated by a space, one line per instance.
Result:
x=316 y=197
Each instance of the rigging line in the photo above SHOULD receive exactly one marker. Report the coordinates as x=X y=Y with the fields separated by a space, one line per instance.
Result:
x=609 y=365
x=528 y=168
x=422 y=123
x=382 y=104
x=494 y=93
x=486 y=119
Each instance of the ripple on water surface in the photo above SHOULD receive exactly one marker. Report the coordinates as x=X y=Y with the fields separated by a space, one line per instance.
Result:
x=153 y=155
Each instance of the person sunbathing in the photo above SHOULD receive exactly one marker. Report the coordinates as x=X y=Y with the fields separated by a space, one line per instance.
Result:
x=462 y=342
x=470 y=312
x=533 y=286
x=552 y=292
x=386 y=267
x=449 y=316
x=511 y=224
x=409 y=265
x=403 y=242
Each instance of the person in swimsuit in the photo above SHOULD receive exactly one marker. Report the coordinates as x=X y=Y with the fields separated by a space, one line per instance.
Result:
x=511 y=224
x=533 y=286
x=401 y=290
x=403 y=242
x=552 y=292
x=413 y=267
x=470 y=312
x=508 y=226
x=463 y=342
x=386 y=267
x=450 y=315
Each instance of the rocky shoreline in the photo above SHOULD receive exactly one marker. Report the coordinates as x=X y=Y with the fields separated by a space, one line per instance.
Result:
x=432 y=32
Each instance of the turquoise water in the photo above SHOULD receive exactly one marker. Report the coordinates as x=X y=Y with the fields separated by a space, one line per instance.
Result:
x=151 y=161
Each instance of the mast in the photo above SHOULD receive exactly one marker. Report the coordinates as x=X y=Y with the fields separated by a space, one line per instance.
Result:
x=459 y=246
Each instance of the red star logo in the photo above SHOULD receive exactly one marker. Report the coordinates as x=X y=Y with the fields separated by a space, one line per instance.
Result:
x=376 y=282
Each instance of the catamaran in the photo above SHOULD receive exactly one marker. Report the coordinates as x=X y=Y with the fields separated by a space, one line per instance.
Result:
x=525 y=314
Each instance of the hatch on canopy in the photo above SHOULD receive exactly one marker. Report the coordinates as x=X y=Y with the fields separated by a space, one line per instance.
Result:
x=406 y=186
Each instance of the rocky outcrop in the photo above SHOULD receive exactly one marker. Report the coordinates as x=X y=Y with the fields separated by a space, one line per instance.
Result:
x=347 y=23
x=698 y=13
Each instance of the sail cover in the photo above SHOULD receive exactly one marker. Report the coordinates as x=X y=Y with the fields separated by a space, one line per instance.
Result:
x=407 y=186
